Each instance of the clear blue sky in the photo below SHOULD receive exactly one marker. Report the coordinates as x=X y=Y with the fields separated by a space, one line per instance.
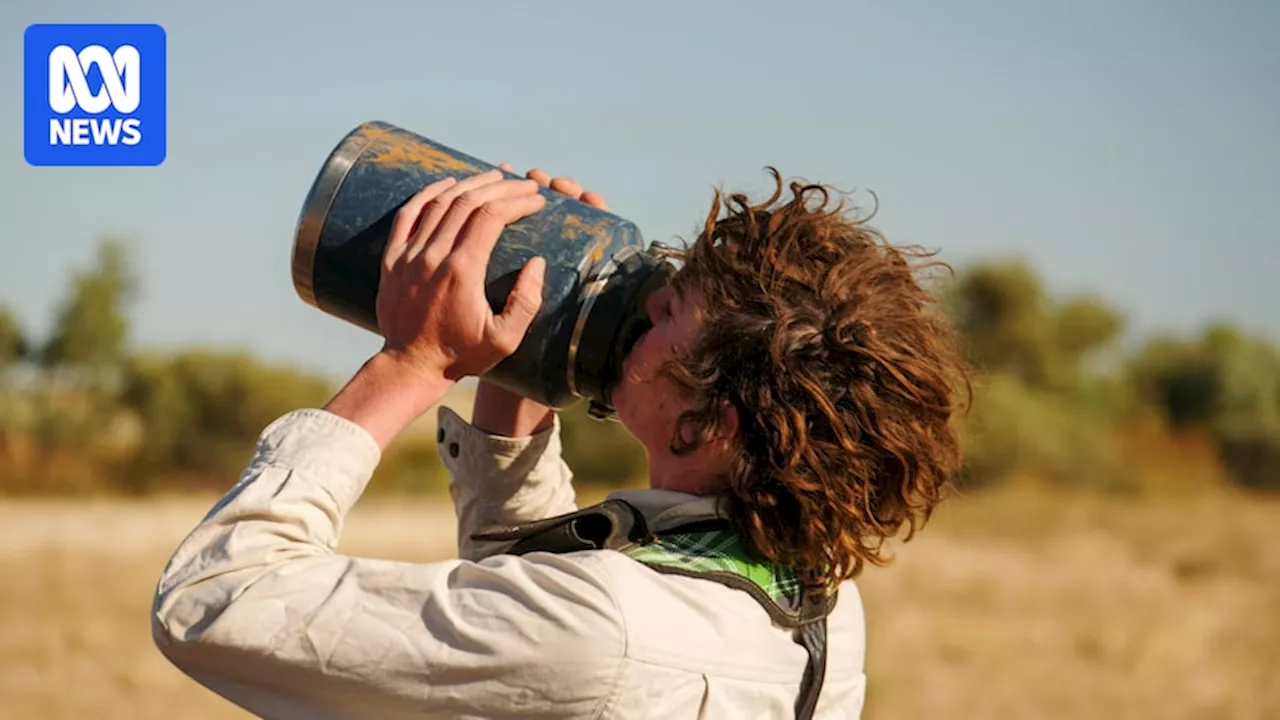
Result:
x=1129 y=148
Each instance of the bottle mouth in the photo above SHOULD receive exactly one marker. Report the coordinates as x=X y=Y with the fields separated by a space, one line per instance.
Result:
x=612 y=319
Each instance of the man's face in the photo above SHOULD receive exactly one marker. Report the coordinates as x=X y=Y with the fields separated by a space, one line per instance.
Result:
x=647 y=403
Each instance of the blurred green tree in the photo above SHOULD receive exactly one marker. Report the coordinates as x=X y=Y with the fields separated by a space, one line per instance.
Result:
x=199 y=411
x=1224 y=383
x=1039 y=410
x=1009 y=325
x=91 y=330
x=13 y=342
x=73 y=399
x=999 y=312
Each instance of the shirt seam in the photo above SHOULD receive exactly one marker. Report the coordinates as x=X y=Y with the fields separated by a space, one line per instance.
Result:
x=710 y=668
x=611 y=700
x=706 y=666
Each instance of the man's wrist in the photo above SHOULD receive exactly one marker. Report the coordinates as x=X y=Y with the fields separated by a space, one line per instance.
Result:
x=388 y=393
x=499 y=411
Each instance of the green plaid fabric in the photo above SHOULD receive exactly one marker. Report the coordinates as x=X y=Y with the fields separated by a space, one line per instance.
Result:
x=718 y=550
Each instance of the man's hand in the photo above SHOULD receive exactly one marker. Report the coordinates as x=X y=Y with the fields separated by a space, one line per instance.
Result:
x=565 y=186
x=499 y=411
x=432 y=311
x=431 y=305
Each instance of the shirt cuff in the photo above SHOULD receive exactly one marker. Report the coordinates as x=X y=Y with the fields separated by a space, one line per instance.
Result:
x=497 y=480
x=326 y=445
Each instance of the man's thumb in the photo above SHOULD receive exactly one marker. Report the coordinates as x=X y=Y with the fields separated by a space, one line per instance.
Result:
x=522 y=305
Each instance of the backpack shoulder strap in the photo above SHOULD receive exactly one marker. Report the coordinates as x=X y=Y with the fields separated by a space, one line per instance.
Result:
x=706 y=549
x=611 y=525
x=711 y=550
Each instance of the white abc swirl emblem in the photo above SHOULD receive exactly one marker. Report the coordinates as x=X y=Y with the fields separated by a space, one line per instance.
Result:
x=121 y=79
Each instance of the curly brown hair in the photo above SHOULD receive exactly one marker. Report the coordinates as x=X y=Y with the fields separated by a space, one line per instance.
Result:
x=844 y=373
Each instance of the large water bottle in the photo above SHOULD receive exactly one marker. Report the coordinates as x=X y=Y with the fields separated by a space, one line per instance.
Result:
x=598 y=271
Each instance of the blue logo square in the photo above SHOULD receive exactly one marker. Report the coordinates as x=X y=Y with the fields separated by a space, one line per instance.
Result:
x=94 y=95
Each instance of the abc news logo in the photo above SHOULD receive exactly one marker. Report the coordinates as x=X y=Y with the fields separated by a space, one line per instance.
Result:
x=94 y=94
x=69 y=89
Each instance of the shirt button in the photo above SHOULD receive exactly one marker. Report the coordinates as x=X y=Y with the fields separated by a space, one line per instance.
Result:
x=453 y=449
x=440 y=435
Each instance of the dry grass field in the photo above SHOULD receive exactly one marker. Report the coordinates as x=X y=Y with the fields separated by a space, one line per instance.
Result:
x=1006 y=607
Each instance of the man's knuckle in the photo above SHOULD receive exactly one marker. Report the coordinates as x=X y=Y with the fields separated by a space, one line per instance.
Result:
x=469 y=200
x=450 y=268
x=408 y=213
x=489 y=211
x=506 y=343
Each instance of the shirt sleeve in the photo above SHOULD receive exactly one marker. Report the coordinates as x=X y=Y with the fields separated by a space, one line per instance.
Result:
x=498 y=481
x=256 y=605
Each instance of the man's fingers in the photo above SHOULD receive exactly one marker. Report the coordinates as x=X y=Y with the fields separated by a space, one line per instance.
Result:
x=407 y=220
x=475 y=244
x=594 y=199
x=540 y=177
x=522 y=306
x=567 y=186
x=440 y=205
x=480 y=201
x=506 y=167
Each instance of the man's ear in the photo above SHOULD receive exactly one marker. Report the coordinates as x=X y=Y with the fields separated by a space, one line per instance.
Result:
x=729 y=422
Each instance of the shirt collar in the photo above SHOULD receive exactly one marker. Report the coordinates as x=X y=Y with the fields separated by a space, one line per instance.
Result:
x=665 y=509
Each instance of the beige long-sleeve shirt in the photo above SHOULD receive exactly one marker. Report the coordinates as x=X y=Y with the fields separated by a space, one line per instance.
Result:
x=257 y=605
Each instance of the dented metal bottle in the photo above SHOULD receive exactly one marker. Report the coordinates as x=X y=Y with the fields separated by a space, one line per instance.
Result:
x=598 y=271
